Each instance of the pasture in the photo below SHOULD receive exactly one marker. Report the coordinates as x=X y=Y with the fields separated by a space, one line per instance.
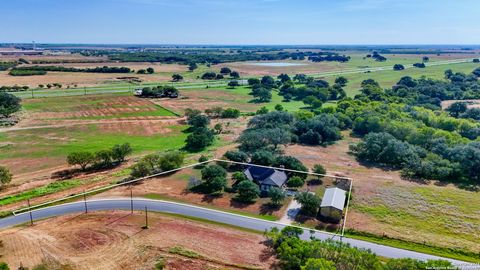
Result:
x=54 y=127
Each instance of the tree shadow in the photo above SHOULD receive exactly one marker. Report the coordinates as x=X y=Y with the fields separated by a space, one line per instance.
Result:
x=74 y=172
x=269 y=208
x=209 y=198
x=238 y=204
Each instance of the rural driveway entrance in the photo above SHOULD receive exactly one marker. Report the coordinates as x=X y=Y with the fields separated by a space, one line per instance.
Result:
x=292 y=211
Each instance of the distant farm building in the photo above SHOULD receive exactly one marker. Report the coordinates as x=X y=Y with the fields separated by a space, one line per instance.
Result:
x=332 y=204
x=266 y=178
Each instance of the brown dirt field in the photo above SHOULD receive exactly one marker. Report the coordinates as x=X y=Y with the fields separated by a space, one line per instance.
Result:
x=71 y=79
x=202 y=99
x=174 y=187
x=162 y=73
x=471 y=103
x=115 y=240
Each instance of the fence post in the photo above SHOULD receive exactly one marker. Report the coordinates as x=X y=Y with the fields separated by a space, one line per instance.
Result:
x=146 y=218
x=131 y=198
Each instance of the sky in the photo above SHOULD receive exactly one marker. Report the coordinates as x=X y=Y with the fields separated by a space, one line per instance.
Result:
x=233 y=22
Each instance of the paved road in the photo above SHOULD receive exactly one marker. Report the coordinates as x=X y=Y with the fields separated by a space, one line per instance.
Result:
x=204 y=213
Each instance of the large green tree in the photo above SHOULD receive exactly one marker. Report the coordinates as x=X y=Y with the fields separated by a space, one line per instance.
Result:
x=247 y=191
x=9 y=104
x=5 y=176
x=310 y=203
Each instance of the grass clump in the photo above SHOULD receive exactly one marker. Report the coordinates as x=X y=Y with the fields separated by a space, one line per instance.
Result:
x=37 y=192
x=184 y=252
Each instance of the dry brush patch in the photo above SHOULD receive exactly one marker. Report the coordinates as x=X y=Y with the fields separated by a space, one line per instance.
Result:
x=115 y=240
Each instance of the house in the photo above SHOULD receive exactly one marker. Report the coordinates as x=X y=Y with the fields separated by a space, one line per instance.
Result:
x=266 y=178
x=332 y=204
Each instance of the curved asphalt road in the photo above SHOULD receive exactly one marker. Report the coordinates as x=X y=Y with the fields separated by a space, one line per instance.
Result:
x=204 y=213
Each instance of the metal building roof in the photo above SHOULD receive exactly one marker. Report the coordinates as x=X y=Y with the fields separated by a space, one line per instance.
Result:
x=334 y=197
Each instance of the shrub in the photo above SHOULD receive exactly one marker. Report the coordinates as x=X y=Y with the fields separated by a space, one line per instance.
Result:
x=233 y=83
x=237 y=156
x=230 y=113
x=239 y=177
x=4 y=266
x=209 y=76
x=263 y=157
x=202 y=158
x=5 y=176
x=141 y=169
x=103 y=158
x=9 y=104
x=295 y=182
x=199 y=139
x=121 y=151
x=318 y=168
x=170 y=161
x=277 y=195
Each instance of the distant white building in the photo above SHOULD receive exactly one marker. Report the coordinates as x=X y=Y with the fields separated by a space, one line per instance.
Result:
x=333 y=202
x=138 y=92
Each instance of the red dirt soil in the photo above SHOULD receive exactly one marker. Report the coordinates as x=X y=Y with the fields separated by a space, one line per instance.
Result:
x=115 y=240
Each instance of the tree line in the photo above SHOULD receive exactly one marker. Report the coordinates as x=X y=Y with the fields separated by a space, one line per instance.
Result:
x=41 y=70
x=105 y=158
x=216 y=57
x=297 y=254
x=404 y=128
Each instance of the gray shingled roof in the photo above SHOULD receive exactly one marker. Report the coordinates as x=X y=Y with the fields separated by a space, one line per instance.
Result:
x=266 y=176
x=334 y=197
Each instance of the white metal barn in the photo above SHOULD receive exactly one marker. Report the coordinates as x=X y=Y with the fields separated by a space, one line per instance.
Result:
x=332 y=204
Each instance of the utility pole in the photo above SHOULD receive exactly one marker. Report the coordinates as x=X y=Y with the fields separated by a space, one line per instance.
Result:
x=146 y=218
x=32 y=92
x=131 y=198
x=85 y=90
x=30 y=212
x=85 y=201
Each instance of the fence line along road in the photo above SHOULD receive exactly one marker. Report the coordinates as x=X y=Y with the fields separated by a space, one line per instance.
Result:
x=21 y=210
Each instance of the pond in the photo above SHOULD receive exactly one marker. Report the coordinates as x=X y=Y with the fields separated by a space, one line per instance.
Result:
x=275 y=64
